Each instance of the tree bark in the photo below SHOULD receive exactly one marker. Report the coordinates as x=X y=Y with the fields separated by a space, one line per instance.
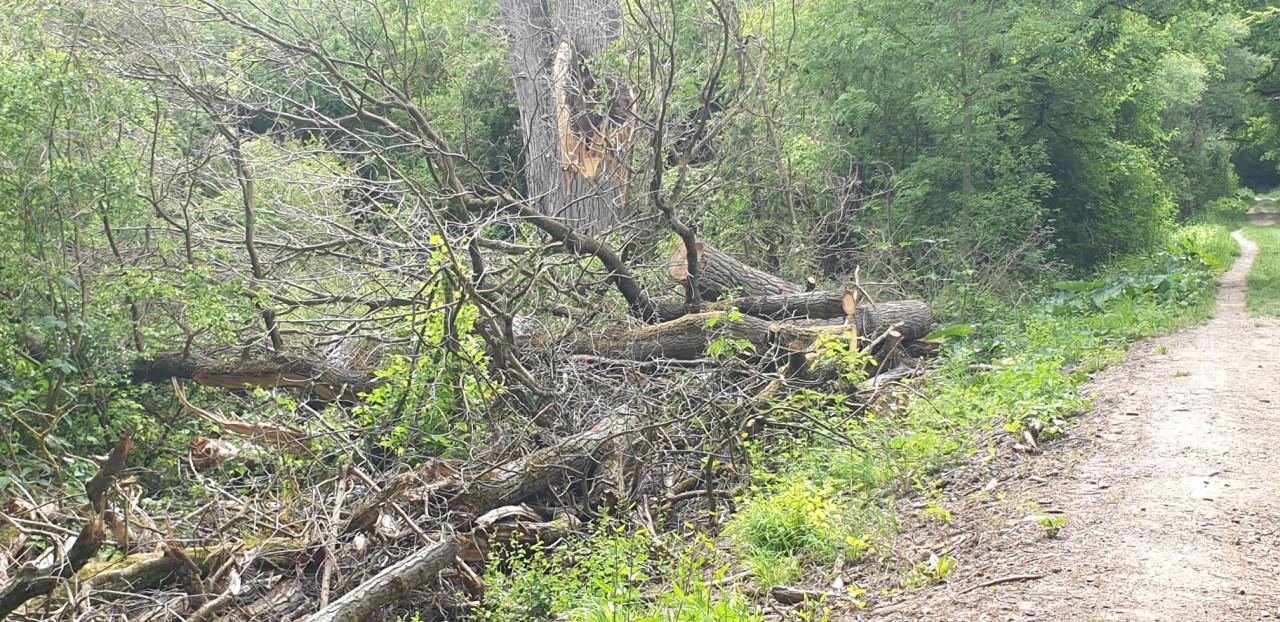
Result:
x=393 y=583
x=327 y=382
x=688 y=337
x=915 y=317
x=812 y=305
x=719 y=273
x=559 y=182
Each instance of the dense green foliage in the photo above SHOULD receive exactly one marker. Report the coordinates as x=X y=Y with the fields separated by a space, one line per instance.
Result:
x=1020 y=131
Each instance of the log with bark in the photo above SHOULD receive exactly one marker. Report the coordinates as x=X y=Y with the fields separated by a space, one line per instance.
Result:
x=30 y=582
x=575 y=458
x=912 y=318
x=812 y=305
x=327 y=382
x=718 y=273
x=393 y=583
x=688 y=337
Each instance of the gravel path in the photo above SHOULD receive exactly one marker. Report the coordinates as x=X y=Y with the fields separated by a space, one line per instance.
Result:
x=1171 y=491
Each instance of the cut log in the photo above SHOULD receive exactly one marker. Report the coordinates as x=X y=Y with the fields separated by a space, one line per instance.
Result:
x=914 y=316
x=392 y=584
x=824 y=308
x=688 y=337
x=718 y=273
x=685 y=338
x=327 y=382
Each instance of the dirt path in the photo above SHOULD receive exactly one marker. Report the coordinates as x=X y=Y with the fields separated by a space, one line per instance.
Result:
x=1171 y=491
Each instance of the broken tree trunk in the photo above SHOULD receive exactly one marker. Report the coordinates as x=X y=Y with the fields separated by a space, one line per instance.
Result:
x=719 y=273
x=579 y=179
x=138 y=572
x=575 y=457
x=684 y=338
x=30 y=582
x=292 y=441
x=393 y=583
x=327 y=382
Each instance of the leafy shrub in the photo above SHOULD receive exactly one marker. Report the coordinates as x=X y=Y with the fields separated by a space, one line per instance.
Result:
x=1171 y=280
x=603 y=572
x=603 y=577
x=798 y=517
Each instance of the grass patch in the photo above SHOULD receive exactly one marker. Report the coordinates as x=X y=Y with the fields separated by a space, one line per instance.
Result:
x=1263 y=297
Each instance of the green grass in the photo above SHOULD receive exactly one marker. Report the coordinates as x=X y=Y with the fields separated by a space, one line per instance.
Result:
x=1264 y=279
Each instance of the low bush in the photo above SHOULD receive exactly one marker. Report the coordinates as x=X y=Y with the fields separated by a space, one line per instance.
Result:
x=612 y=575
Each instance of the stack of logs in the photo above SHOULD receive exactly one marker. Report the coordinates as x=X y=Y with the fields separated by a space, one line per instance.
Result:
x=774 y=315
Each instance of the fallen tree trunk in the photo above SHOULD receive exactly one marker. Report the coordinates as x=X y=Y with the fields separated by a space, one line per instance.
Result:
x=688 y=337
x=30 y=582
x=327 y=382
x=393 y=583
x=684 y=338
x=576 y=457
x=719 y=273
x=812 y=305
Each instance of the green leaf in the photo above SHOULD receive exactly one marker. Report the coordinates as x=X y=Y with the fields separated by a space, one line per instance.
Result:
x=955 y=330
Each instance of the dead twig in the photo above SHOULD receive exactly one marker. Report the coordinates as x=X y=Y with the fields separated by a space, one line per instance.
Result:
x=1002 y=580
